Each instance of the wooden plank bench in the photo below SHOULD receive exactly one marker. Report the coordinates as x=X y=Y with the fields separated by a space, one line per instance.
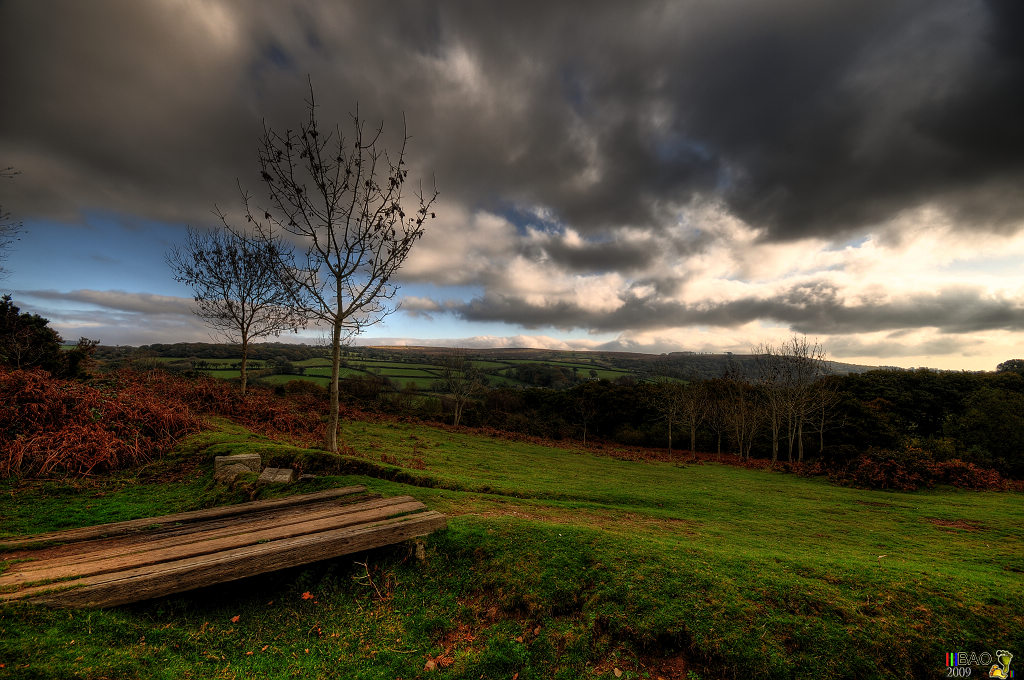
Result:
x=123 y=562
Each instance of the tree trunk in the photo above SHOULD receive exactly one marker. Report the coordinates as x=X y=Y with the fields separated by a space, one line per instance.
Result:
x=789 y=435
x=457 y=415
x=245 y=360
x=800 y=439
x=670 y=437
x=331 y=438
x=775 y=439
x=693 y=437
x=821 y=433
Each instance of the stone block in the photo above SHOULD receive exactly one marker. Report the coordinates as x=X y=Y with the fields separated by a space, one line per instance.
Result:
x=277 y=476
x=250 y=460
x=229 y=473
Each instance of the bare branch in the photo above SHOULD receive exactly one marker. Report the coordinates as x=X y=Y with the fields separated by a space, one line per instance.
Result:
x=244 y=286
x=341 y=199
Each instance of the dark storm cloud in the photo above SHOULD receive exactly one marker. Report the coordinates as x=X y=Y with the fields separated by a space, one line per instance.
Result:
x=815 y=309
x=803 y=117
x=595 y=256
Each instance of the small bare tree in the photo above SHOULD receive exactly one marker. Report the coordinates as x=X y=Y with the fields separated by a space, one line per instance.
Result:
x=343 y=199
x=9 y=227
x=742 y=409
x=584 y=403
x=696 y=406
x=239 y=286
x=789 y=377
x=667 y=400
x=462 y=381
x=717 y=393
x=820 y=416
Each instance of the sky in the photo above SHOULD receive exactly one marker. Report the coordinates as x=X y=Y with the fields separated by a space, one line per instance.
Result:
x=651 y=176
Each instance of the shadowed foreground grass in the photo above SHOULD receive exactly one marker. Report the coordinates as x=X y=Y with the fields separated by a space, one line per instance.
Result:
x=556 y=564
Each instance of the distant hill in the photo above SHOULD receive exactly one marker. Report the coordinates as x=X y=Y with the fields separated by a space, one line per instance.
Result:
x=673 y=364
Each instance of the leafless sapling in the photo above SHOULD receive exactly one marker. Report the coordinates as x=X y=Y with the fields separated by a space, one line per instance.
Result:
x=462 y=381
x=239 y=285
x=343 y=200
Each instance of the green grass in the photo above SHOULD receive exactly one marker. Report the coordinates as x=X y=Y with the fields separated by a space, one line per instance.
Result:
x=497 y=380
x=223 y=373
x=316 y=361
x=488 y=365
x=557 y=564
x=326 y=371
x=280 y=379
x=421 y=383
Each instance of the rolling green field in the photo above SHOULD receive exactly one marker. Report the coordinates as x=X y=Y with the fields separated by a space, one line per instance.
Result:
x=422 y=376
x=557 y=563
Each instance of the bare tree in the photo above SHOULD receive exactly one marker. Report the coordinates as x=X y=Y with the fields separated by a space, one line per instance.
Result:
x=9 y=227
x=673 y=403
x=717 y=409
x=789 y=376
x=695 y=408
x=584 y=404
x=343 y=199
x=744 y=413
x=462 y=381
x=239 y=286
x=820 y=416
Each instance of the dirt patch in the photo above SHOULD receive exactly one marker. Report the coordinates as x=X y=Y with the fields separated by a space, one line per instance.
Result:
x=609 y=521
x=950 y=524
x=663 y=668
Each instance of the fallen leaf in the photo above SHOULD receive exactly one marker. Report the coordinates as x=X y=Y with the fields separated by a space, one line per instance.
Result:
x=234 y=619
x=515 y=677
x=430 y=665
x=248 y=653
x=519 y=639
x=307 y=595
x=618 y=673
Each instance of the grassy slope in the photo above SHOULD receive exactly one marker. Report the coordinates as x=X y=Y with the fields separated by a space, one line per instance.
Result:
x=558 y=564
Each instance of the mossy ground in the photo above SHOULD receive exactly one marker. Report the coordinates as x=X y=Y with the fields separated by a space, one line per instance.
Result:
x=556 y=564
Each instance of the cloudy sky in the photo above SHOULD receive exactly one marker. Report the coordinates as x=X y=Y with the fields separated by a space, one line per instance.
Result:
x=649 y=176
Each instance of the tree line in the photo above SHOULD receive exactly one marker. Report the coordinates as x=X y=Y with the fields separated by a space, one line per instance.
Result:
x=791 y=409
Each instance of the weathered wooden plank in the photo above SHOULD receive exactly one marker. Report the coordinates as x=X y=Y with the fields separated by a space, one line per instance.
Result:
x=193 y=534
x=147 y=523
x=132 y=541
x=173 y=577
x=202 y=544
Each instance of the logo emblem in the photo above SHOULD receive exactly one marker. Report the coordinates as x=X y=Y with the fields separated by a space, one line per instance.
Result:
x=1001 y=668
